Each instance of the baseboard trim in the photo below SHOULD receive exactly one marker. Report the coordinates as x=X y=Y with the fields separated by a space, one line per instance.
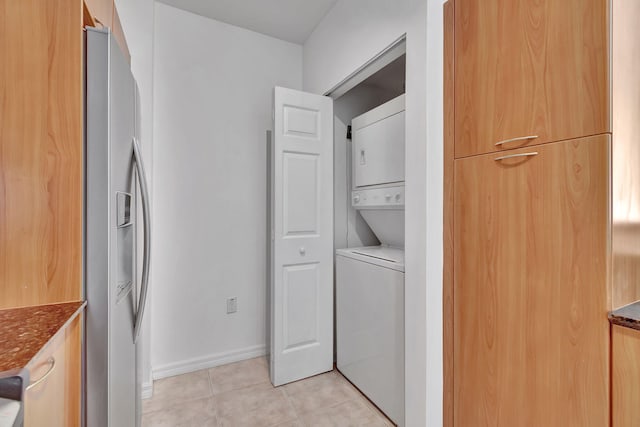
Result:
x=205 y=362
x=147 y=390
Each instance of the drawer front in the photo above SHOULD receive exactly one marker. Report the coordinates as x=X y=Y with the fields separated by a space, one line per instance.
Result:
x=44 y=399
x=54 y=395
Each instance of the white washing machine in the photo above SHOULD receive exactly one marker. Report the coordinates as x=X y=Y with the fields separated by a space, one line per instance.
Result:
x=370 y=324
x=370 y=280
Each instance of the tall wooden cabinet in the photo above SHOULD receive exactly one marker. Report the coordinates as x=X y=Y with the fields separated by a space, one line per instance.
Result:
x=540 y=116
x=530 y=320
x=41 y=113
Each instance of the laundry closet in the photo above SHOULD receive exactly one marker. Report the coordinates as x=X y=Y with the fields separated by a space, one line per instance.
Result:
x=339 y=298
x=370 y=268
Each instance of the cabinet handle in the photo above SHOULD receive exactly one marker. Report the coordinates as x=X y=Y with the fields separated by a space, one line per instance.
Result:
x=52 y=364
x=521 y=138
x=511 y=156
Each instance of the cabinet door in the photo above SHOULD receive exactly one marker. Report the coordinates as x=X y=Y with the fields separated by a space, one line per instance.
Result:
x=530 y=287
x=55 y=400
x=625 y=375
x=529 y=68
x=41 y=174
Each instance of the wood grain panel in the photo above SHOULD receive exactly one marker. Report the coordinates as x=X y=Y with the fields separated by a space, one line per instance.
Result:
x=530 y=67
x=40 y=152
x=102 y=11
x=44 y=402
x=626 y=152
x=531 y=333
x=73 y=384
x=447 y=285
x=55 y=402
x=625 y=377
x=87 y=19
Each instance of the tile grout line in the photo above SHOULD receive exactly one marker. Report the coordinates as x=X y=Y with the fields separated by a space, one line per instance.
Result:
x=293 y=408
x=216 y=415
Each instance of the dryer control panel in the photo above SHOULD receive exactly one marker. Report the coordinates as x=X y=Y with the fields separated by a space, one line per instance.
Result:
x=378 y=198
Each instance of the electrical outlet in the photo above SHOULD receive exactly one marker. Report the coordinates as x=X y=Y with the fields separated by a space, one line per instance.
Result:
x=232 y=305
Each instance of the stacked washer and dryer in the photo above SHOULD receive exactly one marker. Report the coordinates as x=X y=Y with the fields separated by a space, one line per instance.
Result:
x=370 y=280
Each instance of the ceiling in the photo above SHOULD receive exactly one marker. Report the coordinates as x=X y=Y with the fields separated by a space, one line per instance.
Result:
x=290 y=20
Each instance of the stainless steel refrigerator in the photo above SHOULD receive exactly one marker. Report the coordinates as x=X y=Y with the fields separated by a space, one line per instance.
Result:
x=116 y=279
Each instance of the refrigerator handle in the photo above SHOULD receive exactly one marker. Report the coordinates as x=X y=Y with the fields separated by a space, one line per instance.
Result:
x=146 y=254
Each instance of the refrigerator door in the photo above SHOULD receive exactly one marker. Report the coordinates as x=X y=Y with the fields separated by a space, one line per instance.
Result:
x=140 y=367
x=110 y=235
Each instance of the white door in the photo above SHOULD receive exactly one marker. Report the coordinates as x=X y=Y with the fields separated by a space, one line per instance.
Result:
x=301 y=236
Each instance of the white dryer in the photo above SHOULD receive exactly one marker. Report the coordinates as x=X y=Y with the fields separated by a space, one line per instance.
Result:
x=370 y=280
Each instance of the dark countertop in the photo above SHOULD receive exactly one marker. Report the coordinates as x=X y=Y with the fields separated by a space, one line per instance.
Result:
x=25 y=331
x=628 y=316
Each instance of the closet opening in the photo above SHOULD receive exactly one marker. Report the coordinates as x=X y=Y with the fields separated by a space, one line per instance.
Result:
x=369 y=229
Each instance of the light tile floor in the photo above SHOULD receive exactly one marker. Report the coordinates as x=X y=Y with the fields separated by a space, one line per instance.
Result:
x=240 y=394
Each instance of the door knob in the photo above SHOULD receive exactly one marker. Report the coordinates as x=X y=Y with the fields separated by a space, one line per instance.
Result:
x=303 y=251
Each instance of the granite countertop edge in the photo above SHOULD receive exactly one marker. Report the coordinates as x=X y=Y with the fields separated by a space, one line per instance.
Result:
x=24 y=341
x=627 y=316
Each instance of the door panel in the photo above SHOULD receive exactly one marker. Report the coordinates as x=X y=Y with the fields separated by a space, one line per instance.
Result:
x=625 y=373
x=111 y=230
x=302 y=236
x=300 y=179
x=300 y=288
x=530 y=287
x=41 y=111
x=301 y=122
x=55 y=400
x=122 y=350
x=529 y=68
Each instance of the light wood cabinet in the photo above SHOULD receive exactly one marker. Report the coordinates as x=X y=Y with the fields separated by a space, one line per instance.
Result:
x=529 y=68
x=625 y=377
x=41 y=114
x=530 y=275
x=544 y=246
x=54 y=401
x=41 y=146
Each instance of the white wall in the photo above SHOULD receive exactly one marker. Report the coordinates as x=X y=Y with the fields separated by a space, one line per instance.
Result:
x=213 y=87
x=136 y=17
x=352 y=33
